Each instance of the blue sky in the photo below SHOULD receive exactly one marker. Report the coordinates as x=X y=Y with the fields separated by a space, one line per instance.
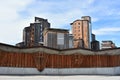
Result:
x=17 y=14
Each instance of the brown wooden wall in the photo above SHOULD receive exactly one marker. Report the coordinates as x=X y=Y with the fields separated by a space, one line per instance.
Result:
x=77 y=61
x=16 y=60
x=43 y=60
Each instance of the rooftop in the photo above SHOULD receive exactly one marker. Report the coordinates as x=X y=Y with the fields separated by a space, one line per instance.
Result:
x=11 y=48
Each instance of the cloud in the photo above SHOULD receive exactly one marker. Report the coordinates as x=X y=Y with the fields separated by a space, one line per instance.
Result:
x=60 y=13
x=11 y=22
x=17 y=14
x=107 y=31
x=9 y=9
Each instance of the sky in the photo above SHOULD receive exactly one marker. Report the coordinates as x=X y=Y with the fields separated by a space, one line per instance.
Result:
x=15 y=15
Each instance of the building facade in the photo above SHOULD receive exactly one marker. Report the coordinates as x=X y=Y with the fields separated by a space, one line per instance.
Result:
x=107 y=44
x=71 y=41
x=95 y=45
x=26 y=36
x=81 y=30
x=33 y=35
x=56 y=38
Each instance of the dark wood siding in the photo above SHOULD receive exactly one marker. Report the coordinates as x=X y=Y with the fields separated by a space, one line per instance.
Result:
x=9 y=59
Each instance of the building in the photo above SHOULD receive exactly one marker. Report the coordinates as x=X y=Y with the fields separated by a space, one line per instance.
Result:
x=33 y=35
x=48 y=61
x=26 y=36
x=93 y=37
x=107 y=44
x=56 y=38
x=71 y=41
x=81 y=30
x=95 y=45
x=21 y=44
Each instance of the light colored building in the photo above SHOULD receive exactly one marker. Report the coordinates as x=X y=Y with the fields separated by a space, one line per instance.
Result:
x=81 y=30
x=107 y=44
x=71 y=41
x=56 y=38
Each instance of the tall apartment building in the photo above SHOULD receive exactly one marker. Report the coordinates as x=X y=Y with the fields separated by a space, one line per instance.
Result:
x=81 y=30
x=26 y=36
x=33 y=35
x=107 y=44
x=56 y=38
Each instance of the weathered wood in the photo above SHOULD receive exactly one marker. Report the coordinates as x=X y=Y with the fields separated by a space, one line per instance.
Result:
x=43 y=60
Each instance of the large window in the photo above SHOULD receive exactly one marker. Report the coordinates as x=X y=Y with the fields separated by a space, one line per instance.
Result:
x=60 y=38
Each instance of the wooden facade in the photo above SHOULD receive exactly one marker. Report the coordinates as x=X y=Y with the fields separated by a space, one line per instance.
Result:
x=42 y=60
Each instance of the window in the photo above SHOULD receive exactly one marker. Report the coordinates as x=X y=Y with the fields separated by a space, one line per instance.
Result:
x=78 y=23
x=41 y=28
x=37 y=21
x=60 y=38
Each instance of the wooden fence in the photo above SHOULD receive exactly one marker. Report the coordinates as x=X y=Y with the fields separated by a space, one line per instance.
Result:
x=42 y=60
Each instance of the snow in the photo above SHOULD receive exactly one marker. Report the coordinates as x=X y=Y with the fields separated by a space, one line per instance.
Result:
x=75 y=77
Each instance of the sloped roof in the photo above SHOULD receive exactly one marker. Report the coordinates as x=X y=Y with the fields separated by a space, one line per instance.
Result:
x=11 y=48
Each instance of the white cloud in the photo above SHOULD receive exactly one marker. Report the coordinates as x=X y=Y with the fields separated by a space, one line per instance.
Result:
x=11 y=23
x=107 y=31
x=9 y=9
x=60 y=13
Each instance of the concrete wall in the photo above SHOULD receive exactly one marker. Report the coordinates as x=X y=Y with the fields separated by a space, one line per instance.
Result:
x=61 y=71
